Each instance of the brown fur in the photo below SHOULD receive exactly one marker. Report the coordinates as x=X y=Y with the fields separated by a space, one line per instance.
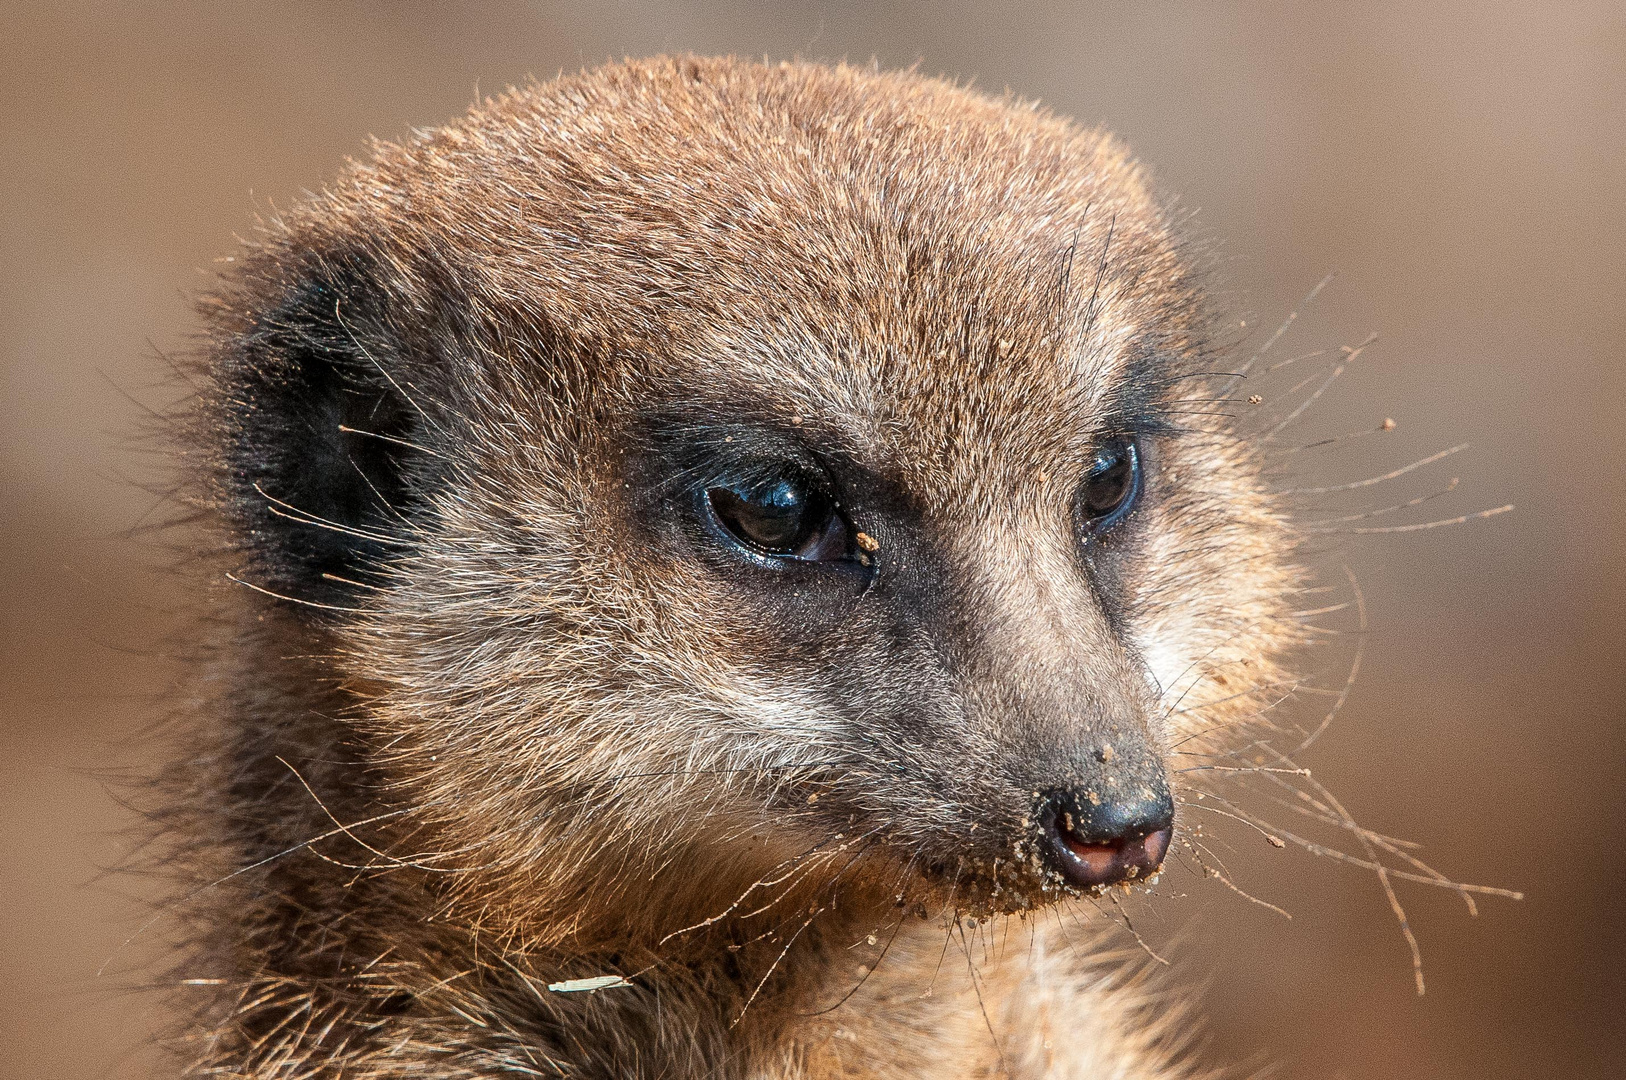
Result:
x=535 y=731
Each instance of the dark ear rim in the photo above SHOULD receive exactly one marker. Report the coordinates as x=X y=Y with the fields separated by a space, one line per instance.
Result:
x=316 y=446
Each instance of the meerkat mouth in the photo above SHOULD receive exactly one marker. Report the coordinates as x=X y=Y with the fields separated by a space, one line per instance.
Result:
x=1110 y=845
x=1098 y=865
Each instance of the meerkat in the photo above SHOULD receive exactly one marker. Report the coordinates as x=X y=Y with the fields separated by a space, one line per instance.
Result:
x=719 y=565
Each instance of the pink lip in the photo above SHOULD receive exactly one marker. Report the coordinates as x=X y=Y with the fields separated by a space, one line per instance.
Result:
x=1123 y=860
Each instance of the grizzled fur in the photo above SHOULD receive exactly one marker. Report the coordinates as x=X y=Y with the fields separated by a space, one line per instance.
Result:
x=488 y=711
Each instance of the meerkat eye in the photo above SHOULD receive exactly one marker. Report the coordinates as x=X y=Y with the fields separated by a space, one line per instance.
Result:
x=783 y=518
x=1111 y=485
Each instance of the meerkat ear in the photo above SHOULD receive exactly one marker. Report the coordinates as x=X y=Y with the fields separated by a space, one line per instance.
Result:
x=320 y=439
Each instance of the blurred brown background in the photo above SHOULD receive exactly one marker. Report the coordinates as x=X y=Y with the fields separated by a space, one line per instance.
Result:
x=1462 y=166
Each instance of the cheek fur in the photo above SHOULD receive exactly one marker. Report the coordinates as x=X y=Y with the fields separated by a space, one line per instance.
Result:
x=1165 y=661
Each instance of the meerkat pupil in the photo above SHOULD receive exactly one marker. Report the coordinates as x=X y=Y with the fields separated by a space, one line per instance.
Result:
x=784 y=518
x=1111 y=484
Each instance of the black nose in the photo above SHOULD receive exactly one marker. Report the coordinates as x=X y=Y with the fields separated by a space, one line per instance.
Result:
x=1094 y=840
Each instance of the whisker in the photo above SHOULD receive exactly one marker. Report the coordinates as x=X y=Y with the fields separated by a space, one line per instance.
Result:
x=294 y=599
x=1201 y=375
x=1419 y=528
x=1351 y=353
x=1354 y=666
x=1354 y=860
x=195 y=893
x=338 y=316
x=1386 y=426
x=1242 y=769
x=1215 y=873
x=1100 y=273
x=1369 y=481
x=293 y=513
x=1295 y=359
x=954 y=888
x=774 y=967
x=1130 y=926
x=1418 y=501
x=1292 y=317
x=976 y=987
x=347 y=830
x=391 y=439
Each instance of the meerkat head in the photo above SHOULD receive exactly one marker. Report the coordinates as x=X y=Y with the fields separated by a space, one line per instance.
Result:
x=703 y=475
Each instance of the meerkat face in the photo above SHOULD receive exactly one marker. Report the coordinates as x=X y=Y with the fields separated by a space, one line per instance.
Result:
x=699 y=468
x=927 y=594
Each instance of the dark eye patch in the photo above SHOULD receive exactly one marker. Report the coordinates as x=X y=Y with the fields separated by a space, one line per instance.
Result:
x=755 y=488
